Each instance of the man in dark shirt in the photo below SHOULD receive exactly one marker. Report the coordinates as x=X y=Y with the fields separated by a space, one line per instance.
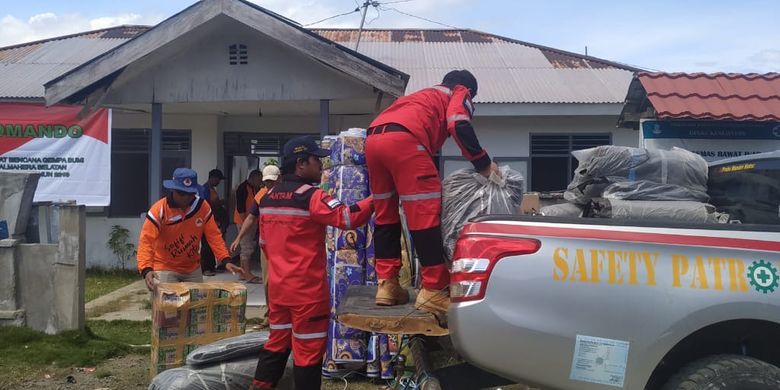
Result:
x=209 y=194
x=245 y=199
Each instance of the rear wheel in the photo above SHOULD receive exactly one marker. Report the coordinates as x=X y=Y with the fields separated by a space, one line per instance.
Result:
x=726 y=372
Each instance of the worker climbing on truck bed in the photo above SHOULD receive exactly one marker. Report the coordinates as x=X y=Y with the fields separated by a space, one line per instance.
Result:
x=400 y=147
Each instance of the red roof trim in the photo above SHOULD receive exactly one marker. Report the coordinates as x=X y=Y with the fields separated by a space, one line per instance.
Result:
x=715 y=96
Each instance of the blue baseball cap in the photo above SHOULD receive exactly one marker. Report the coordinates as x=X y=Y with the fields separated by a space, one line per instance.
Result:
x=184 y=179
x=303 y=147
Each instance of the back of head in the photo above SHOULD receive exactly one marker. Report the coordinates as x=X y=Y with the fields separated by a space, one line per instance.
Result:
x=461 y=77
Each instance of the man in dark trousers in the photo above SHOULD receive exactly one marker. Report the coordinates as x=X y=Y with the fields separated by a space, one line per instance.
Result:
x=399 y=149
x=293 y=217
x=245 y=199
x=209 y=193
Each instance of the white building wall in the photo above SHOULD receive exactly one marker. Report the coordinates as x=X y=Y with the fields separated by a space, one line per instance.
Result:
x=510 y=136
x=292 y=124
x=98 y=230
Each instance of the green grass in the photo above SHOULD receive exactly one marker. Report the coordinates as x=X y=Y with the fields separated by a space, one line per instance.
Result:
x=25 y=353
x=100 y=281
x=71 y=348
x=122 y=331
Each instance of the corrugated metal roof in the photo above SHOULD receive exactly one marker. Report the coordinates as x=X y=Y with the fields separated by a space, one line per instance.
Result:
x=25 y=68
x=509 y=71
x=720 y=96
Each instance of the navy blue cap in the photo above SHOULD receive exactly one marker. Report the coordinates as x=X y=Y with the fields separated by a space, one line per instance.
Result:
x=303 y=147
x=184 y=179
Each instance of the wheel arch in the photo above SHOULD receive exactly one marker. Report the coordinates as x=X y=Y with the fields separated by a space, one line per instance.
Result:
x=747 y=337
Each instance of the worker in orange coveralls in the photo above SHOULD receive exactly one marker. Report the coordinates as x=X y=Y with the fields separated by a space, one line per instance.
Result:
x=169 y=245
x=399 y=148
x=293 y=217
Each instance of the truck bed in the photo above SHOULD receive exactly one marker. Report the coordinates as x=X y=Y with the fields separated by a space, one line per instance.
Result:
x=617 y=222
x=358 y=310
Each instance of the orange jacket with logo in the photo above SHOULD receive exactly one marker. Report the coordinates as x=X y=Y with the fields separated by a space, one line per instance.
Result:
x=170 y=238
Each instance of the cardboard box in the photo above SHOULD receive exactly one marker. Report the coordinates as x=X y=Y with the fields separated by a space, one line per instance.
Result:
x=188 y=315
x=530 y=204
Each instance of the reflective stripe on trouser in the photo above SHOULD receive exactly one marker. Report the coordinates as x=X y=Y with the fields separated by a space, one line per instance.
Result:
x=401 y=171
x=301 y=328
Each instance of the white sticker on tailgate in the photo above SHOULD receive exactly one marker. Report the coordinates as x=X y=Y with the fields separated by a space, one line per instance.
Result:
x=599 y=360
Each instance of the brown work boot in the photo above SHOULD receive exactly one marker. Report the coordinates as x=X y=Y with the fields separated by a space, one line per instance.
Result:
x=390 y=293
x=433 y=301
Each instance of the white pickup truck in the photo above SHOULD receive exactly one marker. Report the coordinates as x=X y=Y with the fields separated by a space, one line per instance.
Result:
x=598 y=304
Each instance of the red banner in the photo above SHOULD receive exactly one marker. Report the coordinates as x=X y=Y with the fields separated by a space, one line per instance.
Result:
x=72 y=154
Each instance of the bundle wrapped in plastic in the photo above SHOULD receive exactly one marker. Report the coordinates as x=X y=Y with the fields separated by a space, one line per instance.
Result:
x=228 y=349
x=647 y=190
x=657 y=211
x=604 y=165
x=349 y=148
x=562 y=210
x=226 y=364
x=233 y=375
x=467 y=194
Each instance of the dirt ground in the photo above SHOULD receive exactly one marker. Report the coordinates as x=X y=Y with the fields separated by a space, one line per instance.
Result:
x=126 y=372
x=132 y=372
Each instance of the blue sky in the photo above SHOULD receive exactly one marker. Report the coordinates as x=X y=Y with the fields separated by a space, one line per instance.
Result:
x=706 y=36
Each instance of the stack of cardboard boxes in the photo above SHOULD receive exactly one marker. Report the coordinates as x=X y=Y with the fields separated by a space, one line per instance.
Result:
x=188 y=315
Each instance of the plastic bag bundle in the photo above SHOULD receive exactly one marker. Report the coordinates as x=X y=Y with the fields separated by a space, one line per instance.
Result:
x=570 y=210
x=233 y=375
x=467 y=194
x=349 y=148
x=646 y=190
x=228 y=349
x=227 y=364
x=657 y=211
x=604 y=165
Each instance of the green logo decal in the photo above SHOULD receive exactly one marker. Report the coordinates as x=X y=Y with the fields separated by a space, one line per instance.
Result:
x=763 y=276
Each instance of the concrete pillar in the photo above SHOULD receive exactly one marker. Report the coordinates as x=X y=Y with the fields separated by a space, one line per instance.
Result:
x=69 y=269
x=155 y=154
x=222 y=188
x=16 y=192
x=10 y=312
x=36 y=291
x=324 y=117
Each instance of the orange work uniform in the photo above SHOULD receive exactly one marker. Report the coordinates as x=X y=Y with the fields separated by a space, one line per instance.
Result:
x=170 y=238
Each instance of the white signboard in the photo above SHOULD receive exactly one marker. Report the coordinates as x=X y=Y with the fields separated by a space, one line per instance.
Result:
x=713 y=140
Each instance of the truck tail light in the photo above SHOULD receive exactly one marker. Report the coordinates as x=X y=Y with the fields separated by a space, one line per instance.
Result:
x=476 y=256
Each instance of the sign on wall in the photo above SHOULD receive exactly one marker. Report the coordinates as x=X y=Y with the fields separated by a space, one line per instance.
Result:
x=72 y=155
x=713 y=140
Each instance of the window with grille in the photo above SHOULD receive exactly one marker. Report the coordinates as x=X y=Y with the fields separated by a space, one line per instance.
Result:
x=238 y=54
x=130 y=166
x=552 y=164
